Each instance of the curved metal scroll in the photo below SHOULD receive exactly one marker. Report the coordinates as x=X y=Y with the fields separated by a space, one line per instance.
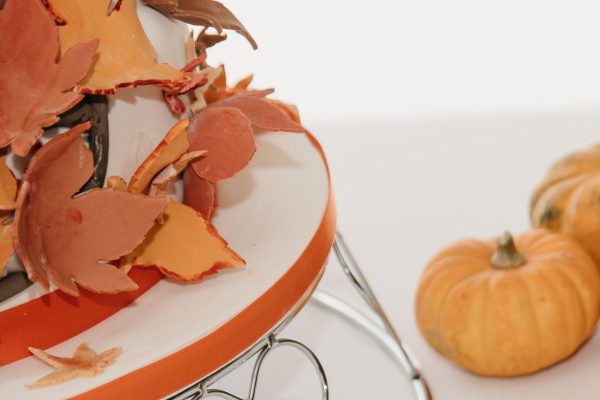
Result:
x=201 y=391
x=380 y=326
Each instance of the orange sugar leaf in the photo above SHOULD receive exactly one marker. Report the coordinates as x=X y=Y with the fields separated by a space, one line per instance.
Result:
x=174 y=144
x=185 y=247
x=125 y=56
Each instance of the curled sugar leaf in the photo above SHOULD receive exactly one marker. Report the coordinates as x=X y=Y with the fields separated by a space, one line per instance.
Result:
x=199 y=193
x=162 y=180
x=174 y=144
x=264 y=115
x=207 y=13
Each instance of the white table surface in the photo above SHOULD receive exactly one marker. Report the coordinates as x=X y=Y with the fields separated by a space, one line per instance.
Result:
x=404 y=190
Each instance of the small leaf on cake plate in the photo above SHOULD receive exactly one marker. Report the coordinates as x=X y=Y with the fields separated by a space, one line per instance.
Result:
x=125 y=56
x=264 y=115
x=36 y=86
x=227 y=135
x=85 y=362
x=199 y=193
x=65 y=238
x=208 y=13
x=185 y=247
x=174 y=144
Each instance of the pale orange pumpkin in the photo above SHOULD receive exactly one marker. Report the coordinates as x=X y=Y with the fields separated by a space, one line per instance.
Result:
x=497 y=311
x=568 y=200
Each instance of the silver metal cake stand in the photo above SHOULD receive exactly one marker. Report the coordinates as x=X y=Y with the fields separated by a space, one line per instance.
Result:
x=375 y=322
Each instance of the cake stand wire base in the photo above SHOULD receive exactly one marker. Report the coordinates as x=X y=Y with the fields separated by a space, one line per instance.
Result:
x=375 y=322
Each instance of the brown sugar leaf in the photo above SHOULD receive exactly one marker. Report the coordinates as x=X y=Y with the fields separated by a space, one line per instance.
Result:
x=199 y=193
x=125 y=56
x=207 y=13
x=227 y=135
x=36 y=86
x=67 y=239
x=173 y=146
x=185 y=247
x=84 y=363
x=264 y=115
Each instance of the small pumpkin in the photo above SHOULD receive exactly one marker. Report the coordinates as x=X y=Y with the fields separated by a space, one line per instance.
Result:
x=568 y=200
x=510 y=308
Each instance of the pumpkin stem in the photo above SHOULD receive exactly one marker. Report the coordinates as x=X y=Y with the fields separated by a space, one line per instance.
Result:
x=506 y=255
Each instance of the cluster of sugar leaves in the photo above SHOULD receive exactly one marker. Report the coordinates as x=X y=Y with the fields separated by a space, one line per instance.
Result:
x=67 y=239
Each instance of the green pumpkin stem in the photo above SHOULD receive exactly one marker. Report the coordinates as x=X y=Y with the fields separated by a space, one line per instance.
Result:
x=507 y=256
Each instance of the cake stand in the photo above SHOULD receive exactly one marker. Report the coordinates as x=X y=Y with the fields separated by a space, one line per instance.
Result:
x=279 y=214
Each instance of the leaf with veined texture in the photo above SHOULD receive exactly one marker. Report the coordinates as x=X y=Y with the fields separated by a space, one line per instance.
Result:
x=67 y=239
x=34 y=86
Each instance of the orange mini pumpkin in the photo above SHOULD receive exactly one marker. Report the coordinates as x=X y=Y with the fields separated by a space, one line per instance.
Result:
x=568 y=200
x=497 y=311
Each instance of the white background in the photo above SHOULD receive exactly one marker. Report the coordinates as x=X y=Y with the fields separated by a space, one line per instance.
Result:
x=438 y=118
x=364 y=60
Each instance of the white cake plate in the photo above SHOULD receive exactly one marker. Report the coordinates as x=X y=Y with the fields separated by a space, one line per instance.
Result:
x=279 y=215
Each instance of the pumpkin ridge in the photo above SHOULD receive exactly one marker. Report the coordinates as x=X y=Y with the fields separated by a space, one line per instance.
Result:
x=442 y=343
x=572 y=337
x=534 y=317
x=546 y=238
x=446 y=348
x=575 y=287
x=436 y=328
x=486 y=328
